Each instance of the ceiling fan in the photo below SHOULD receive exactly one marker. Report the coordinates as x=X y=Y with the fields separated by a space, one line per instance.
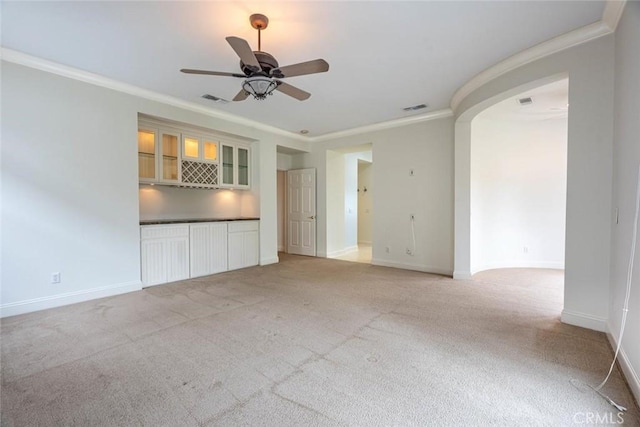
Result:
x=261 y=70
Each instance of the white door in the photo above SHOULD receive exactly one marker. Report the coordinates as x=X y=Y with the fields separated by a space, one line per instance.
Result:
x=301 y=212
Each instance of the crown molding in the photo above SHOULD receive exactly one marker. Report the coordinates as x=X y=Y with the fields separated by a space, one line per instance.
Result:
x=612 y=13
x=26 y=60
x=549 y=47
x=438 y=114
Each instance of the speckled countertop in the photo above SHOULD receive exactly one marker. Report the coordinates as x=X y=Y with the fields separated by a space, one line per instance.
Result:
x=192 y=220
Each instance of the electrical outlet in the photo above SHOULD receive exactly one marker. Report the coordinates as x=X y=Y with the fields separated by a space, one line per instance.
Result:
x=387 y=249
x=409 y=251
x=55 y=277
x=412 y=217
x=525 y=249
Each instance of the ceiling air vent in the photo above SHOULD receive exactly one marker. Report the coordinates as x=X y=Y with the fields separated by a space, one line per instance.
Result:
x=215 y=98
x=415 y=107
x=525 y=101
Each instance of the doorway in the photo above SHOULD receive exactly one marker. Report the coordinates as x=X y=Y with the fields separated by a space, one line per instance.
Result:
x=301 y=212
x=519 y=181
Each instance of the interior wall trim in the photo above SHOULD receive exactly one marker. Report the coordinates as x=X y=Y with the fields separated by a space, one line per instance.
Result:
x=23 y=59
x=52 y=301
x=267 y=261
x=554 y=265
x=613 y=12
x=413 y=267
x=630 y=374
x=30 y=61
x=404 y=121
x=549 y=47
x=584 y=320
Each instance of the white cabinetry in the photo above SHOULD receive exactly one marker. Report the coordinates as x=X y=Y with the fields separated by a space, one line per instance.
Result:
x=170 y=153
x=158 y=155
x=180 y=251
x=235 y=166
x=243 y=244
x=208 y=248
x=164 y=253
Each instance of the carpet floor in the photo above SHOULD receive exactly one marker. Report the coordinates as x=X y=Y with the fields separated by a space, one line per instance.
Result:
x=312 y=341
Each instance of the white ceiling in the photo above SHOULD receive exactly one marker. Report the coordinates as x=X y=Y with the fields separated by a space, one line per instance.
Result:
x=550 y=101
x=384 y=55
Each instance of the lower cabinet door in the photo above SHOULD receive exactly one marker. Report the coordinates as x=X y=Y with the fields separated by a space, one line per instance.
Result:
x=251 y=249
x=207 y=248
x=164 y=252
x=236 y=250
x=177 y=258
x=200 y=249
x=153 y=264
x=218 y=248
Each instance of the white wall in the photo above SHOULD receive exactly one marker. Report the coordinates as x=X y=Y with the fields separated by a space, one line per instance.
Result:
x=365 y=205
x=351 y=198
x=335 y=203
x=626 y=162
x=163 y=202
x=70 y=187
x=69 y=191
x=426 y=147
x=589 y=67
x=284 y=161
x=282 y=208
x=518 y=193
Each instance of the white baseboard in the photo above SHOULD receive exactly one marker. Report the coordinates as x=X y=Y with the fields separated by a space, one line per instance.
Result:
x=43 y=303
x=341 y=252
x=413 y=267
x=629 y=372
x=584 y=320
x=519 y=264
x=267 y=261
x=462 y=275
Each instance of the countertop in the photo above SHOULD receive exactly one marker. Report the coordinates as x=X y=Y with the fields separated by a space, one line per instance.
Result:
x=193 y=220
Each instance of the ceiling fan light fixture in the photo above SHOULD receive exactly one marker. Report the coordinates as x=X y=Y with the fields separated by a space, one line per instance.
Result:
x=259 y=86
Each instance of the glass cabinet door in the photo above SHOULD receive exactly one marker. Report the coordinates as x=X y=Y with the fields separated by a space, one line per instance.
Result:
x=169 y=157
x=191 y=148
x=146 y=154
x=210 y=153
x=227 y=164
x=243 y=166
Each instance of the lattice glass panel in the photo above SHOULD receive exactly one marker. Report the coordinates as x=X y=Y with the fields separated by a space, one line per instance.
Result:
x=199 y=173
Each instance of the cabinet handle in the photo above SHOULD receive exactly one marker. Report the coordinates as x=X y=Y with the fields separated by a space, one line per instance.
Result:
x=312 y=217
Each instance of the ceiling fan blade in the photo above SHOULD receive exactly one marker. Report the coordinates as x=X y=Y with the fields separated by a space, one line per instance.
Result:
x=292 y=91
x=309 y=67
x=243 y=50
x=212 y=73
x=241 y=96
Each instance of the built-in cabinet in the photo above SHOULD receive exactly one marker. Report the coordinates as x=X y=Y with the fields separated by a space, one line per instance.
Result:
x=243 y=244
x=235 y=166
x=207 y=248
x=164 y=253
x=181 y=251
x=173 y=155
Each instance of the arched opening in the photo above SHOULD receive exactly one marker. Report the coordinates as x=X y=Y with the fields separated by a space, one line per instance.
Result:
x=518 y=181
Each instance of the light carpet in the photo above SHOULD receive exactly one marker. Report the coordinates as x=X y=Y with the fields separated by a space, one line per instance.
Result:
x=311 y=341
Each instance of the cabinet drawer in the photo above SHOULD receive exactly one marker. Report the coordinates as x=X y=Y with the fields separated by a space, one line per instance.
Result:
x=243 y=226
x=163 y=231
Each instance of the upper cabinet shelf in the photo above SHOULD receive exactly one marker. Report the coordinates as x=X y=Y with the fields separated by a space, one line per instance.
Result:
x=170 y=155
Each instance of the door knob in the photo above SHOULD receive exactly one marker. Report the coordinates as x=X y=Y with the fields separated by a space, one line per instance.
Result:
x=312 y=217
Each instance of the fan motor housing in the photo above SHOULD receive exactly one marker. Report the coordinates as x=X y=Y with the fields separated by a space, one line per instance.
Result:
x=266 y=61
